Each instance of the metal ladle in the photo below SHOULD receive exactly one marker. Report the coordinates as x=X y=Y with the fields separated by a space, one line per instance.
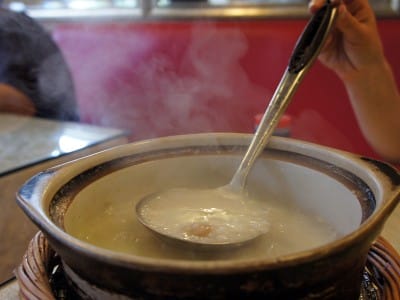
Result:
x=304 y=54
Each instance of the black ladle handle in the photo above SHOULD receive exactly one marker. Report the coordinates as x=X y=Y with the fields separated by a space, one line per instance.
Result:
x=312 y=38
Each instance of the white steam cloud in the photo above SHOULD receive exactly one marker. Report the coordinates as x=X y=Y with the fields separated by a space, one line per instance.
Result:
x=164 y=85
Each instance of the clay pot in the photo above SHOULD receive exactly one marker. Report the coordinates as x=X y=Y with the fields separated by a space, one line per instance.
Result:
x=354 y=194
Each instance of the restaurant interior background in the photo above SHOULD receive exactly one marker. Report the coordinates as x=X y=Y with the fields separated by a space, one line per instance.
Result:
x=171 y=67
x=156 y=67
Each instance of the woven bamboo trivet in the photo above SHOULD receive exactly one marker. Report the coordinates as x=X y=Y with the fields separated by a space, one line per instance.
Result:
x=40 y=274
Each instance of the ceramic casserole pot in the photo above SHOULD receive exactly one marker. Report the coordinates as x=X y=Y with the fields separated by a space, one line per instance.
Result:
x=354 y=194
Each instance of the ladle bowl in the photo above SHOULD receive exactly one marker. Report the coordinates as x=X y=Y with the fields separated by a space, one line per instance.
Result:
x=212 y=219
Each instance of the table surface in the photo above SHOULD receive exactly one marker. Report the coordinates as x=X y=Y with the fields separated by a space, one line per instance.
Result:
x=30 y=145
x=25 y=141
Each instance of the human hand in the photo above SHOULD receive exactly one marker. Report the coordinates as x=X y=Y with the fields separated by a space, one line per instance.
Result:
x=14 y=101
x=354 y=44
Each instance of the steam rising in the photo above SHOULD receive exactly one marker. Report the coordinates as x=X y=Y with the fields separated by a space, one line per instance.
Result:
x=163 y=82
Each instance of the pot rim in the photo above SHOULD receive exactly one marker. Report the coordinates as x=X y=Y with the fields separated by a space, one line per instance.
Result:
x=42 y=187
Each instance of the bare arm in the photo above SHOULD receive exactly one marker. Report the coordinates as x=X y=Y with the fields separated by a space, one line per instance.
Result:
x=376 y=103
x=355 y=53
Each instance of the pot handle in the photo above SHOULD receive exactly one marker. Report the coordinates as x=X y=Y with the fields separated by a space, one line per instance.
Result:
x=29 y=196
x=390 y=171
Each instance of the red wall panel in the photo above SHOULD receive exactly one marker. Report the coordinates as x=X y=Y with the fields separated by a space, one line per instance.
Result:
x=164 y=78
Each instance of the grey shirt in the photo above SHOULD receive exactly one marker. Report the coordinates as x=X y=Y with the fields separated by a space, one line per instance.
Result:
x=31 y=62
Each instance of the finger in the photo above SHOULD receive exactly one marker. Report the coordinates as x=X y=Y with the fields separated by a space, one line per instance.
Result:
x=356 y=6
x=315 y=5
x=346 y=22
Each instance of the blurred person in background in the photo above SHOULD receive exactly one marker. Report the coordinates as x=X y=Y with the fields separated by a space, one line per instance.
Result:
x=355 y=53
x=34 y=77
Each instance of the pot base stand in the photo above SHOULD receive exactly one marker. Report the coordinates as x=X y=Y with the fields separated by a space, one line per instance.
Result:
x=40 y=275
